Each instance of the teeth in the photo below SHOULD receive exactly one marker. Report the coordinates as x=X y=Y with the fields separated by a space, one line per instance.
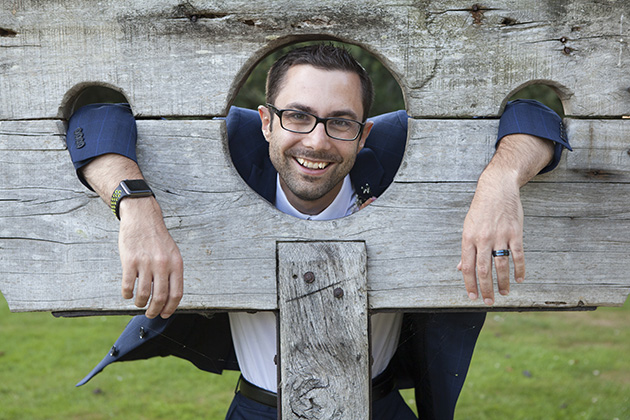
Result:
x=311 y=165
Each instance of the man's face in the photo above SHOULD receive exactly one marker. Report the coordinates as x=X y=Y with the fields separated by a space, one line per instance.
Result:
x=312 y=166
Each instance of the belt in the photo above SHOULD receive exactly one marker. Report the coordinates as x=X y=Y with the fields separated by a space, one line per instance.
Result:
x=382 y=385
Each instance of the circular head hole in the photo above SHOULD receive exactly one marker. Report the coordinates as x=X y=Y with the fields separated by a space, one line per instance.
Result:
x=301 y=137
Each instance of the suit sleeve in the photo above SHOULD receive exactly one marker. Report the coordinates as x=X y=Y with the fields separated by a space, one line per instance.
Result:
x=526 y=116
x=98 y=129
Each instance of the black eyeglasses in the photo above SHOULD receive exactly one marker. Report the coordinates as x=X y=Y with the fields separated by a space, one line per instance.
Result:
x=304 y=122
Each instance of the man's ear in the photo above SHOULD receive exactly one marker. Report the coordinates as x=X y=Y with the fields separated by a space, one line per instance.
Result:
x=364 y=135
x=265 y=119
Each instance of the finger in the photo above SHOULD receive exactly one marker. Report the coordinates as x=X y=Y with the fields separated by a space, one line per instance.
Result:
x=518 y=257
x=129 y=276
x=176 y=292
x=484 y=274
x=143 y=288
x=367 y=203
x=159 y=295
x=502 y=268
x=467 y=267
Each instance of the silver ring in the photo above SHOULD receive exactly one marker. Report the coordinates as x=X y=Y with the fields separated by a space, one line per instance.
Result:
x=501 y=253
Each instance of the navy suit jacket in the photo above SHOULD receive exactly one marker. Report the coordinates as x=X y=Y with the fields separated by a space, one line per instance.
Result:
x=434 y=350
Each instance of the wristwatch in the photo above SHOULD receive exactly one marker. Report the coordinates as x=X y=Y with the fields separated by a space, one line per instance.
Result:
x=128 y=188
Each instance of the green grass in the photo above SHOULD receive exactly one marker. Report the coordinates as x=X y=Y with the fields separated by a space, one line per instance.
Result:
x=526 y=366
x=42 y=357
x=571 y=365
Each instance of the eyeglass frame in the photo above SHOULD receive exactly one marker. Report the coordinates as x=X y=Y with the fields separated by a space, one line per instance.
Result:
x=318 y=120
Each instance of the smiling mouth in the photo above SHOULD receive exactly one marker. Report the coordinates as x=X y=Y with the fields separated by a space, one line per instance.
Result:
x=312 y=164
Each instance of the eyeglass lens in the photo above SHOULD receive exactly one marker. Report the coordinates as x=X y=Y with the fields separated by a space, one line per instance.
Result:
x=302 y=122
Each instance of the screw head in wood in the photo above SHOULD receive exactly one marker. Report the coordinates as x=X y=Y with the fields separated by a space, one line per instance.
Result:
x=309 y=277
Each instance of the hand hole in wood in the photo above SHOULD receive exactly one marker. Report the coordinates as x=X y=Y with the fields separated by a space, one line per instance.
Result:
x=89 y=93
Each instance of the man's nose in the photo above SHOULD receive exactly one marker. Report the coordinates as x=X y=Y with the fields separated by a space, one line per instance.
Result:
x=318 y=139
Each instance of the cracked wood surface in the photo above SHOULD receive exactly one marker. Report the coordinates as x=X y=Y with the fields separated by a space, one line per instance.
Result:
x=454 y=61
x=323 y=327
x=451 y=58
x=59 y=241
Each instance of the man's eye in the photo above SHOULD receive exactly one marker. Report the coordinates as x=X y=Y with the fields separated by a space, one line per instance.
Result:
x=296 y=116
x=340 y=124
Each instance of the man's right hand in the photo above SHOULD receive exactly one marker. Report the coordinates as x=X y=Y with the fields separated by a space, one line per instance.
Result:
x=149 y=254
x=147 y=251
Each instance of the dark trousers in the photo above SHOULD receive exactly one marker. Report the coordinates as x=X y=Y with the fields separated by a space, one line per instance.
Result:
x=390 y=407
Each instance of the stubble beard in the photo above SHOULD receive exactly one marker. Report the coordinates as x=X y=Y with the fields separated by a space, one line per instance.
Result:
x=304 y=187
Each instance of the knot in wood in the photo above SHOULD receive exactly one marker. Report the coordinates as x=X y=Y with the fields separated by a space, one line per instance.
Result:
x=7 y=32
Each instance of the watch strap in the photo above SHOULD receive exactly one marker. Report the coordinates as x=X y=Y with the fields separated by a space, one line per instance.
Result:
x=128 y=188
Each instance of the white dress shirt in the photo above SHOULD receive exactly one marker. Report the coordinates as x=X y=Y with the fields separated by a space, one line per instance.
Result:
x=254 y=335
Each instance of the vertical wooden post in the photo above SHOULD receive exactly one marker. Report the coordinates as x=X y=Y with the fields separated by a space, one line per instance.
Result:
x=323 y=326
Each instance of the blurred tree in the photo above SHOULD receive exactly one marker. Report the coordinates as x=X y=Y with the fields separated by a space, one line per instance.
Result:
x=542 y=93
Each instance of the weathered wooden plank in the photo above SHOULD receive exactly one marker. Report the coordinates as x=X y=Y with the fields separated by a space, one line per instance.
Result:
x=458 y=150
x=452 y=59
x=438 y=150
x=323 y=326
x=59 y=241
x=575 y=243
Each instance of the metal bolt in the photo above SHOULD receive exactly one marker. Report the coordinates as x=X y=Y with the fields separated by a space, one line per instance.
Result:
x=338 y=292
x=567 y=50
x=309 y=277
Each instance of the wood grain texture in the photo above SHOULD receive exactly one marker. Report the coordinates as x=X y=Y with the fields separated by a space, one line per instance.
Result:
x=454 y=62
x=323 y=330
x=173 y=57
x=59 y=241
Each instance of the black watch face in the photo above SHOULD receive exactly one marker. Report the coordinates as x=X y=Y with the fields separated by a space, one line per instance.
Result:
x=136 y=185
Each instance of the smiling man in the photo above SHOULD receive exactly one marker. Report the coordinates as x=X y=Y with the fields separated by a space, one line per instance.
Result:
x=315 y=125
x=312 y=153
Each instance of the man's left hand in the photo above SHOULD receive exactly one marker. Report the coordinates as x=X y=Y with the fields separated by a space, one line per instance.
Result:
x=494 y=222
x=495 y=219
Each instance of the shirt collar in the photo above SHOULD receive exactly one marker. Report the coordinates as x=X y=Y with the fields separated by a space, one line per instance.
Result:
x=344 y=204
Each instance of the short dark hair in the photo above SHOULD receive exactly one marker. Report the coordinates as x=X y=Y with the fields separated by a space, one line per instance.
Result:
x=321 y=56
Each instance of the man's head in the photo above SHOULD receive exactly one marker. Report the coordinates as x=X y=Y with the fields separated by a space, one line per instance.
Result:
x=312 y=165
x=325 y=57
